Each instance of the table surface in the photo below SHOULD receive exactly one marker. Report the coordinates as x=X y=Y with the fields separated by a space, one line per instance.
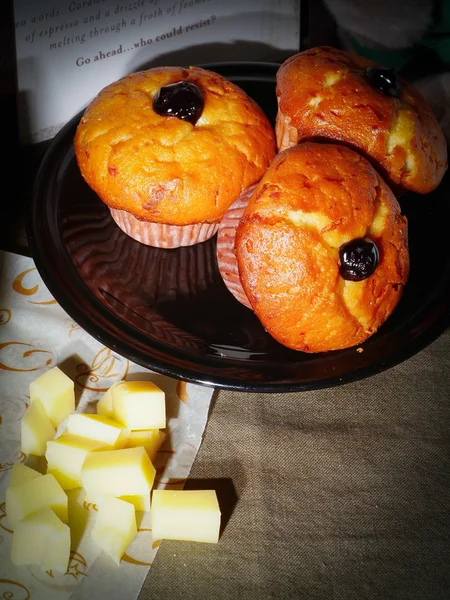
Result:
x=339 y=493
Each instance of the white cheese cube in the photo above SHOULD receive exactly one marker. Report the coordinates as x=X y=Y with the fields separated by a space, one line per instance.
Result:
x=139 y=405
x=65 y=457
x=191 y=515
x=98 y=428
x=125 y=472
x=21 y=473
x=36 y=430
x=33 y=495
x=41 y=539
x=55 y=391
x=115 y=527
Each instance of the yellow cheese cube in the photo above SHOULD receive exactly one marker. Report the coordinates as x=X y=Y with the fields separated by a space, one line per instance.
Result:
x=65 y=457
x=81 y=517
x=139 y=405
x=150 y=439
x=35 y=430
x=105 y=404
x=125 y=472
x=98 y=428
x=55 y=391
x=21 y=473
x=33 y=495
x=41 y=539
x=115 y=527
x=141 y=502
x=192 y=515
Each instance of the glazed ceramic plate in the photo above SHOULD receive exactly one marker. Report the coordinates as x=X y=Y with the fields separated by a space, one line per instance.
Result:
x=169 y=311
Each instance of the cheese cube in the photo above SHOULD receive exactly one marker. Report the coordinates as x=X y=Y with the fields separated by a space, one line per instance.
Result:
x=33 y=495
x=115 y=527
x=139 y=405
x=42 y=539
x=105 y=404
x=81 y=517
x=150 y=439
x=125 y=472
x=35 y=430
x=192 y=515
x=65 y=457
x=98 y=428
x=21 y=473
x=55 y=391
x=140 y=502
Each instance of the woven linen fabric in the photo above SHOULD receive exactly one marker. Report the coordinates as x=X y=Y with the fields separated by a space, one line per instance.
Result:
x=340 y=493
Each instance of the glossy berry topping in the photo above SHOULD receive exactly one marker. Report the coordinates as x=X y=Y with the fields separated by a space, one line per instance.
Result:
x=385 y=80
x=183 y=100
x=359 y=259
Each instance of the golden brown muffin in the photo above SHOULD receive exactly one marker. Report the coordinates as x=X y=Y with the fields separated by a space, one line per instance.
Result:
x=329 y=93
x=159 y=173
x=314 y=203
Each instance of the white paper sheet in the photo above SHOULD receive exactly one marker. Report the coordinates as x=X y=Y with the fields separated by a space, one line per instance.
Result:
x=67 y=51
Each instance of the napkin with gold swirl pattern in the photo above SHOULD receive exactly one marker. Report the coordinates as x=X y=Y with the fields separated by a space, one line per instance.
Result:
x=35 y=335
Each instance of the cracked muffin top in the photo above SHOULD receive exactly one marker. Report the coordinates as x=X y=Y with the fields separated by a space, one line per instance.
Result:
x=336 y=95
x=322 y=248
x=173 y=145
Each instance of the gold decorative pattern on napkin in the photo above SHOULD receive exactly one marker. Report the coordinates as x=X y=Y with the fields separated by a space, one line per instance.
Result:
x=35 y=335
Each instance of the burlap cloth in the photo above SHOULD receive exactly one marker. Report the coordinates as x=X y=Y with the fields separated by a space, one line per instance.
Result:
x=340 y=494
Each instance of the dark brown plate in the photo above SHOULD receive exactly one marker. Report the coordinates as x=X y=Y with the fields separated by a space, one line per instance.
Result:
x=169 y=311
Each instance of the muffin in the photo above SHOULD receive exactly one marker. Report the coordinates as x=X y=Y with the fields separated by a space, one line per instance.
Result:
x=169 y=149
x=345 y=98
x=321 y=250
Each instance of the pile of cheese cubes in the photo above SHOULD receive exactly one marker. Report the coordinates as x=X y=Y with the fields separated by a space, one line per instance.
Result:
x=110 y=454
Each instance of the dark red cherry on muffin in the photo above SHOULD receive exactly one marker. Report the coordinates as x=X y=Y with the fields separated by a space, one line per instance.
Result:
x=358 y=259
x=384 y=79
x=183 y=100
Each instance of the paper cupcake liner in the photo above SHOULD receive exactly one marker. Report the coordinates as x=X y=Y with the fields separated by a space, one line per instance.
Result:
x=161 y=235
x=286 y=134
x=226 y=256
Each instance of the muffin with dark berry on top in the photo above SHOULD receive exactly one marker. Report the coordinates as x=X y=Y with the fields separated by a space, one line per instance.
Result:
x=325 y=93
x=169 y=149
x=318 y=249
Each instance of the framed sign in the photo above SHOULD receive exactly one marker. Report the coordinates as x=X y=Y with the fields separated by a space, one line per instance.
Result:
x=68 y=50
